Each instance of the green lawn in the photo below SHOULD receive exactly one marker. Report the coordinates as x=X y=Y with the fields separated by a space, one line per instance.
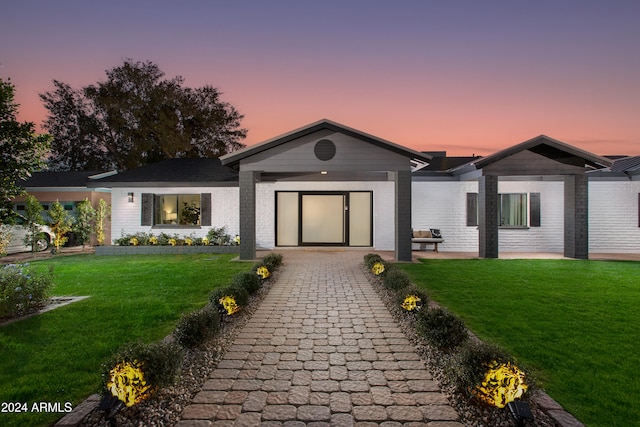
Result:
x=575 y=323
x=56 y=356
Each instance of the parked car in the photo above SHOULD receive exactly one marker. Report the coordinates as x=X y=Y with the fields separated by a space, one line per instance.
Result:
x=19 y=232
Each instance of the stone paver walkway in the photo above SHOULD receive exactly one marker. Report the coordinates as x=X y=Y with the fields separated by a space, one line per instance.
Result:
x=321 y=349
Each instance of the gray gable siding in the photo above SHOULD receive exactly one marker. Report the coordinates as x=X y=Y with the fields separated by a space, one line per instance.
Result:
x=352 y=154
x=530 y=163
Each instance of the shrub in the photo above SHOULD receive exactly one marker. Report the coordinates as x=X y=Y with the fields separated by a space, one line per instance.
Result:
x=5 y=239
x=195 y=328
x=421 y=303
x=371 y=259
x=249 y=281
x=395 y=279
x=238 y=293
x=22 y=289
x=272 y=261
x=218 y=236
x=486 y=372
x=262 y=271
x=157 y=365
x=441 y=328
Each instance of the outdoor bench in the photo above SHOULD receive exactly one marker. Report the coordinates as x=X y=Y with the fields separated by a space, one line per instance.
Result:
x=425 y=237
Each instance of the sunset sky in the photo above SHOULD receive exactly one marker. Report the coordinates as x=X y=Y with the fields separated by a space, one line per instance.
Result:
x=465 y=76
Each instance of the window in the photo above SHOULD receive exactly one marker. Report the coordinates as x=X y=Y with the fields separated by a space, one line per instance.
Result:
x=513 y=210
x=472 y=209
x=176 y=209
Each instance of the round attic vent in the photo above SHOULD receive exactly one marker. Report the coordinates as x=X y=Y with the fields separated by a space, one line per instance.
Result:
x=325 y=149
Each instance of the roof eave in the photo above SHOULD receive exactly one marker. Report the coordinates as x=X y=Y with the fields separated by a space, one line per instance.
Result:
x=589 y=158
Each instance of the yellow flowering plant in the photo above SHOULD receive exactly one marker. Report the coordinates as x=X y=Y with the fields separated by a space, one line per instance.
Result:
x=188 y=241
x=127 y=383
x=378 y=268
x=153 y=240
x=173 y=242
x=229 y=304
x=263 y=272
x=134 y=241
x=412 y=303
x=205 y=241
x=502 y=383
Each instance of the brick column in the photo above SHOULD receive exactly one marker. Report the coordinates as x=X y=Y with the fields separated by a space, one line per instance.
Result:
x=403 y=215
x=488 y=216
x=247 y=181
x=576 y=216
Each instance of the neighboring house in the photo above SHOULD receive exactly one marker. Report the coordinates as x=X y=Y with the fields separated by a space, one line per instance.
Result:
x=67 y=188
x=330 y=185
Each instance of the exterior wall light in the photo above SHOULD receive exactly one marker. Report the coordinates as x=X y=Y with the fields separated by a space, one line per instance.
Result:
x=323 y=172
x=130 y=195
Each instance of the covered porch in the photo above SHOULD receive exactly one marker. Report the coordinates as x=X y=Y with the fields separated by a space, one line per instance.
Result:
x=324 y=181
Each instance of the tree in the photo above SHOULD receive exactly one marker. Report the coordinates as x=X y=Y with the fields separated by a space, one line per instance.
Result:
x=22 y=151
x=61 y=224
x=85 y=216
x=34 y=220
x=137 y=117
x=102 y=214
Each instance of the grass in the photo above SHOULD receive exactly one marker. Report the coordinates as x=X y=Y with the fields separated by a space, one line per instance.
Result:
x=56 y=356
x=576 y=324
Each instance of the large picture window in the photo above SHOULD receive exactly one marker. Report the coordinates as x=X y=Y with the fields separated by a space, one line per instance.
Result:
x=513 y=210
x=177 y=209
x=186 y=210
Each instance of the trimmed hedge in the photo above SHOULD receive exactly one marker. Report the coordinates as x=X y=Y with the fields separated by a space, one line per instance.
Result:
x=161 y=362
x=442 y=328
x=195 y=328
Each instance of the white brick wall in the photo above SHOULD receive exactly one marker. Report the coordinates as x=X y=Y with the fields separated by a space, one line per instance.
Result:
x=613 y=217
x=613 y=213
x=126 y=216
x=442 y=204
x=549 y=237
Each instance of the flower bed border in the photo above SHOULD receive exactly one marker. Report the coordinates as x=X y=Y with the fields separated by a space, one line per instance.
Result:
x=164 y=250
x=546 y=410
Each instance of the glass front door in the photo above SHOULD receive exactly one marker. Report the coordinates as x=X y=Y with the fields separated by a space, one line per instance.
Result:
x=338 y=218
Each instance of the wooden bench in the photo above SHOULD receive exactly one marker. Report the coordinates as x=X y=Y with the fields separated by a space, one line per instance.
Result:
x=425 y=237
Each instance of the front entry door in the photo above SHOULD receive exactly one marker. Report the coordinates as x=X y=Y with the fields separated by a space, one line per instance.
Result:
x=329 y=218
x=322 y=219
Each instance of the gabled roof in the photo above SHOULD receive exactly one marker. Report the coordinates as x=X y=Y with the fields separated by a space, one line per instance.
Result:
x=445 y=164
x=173 y=172
x=627 y=164
x=233 y=159
x=545 y=146
x=61 y=179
